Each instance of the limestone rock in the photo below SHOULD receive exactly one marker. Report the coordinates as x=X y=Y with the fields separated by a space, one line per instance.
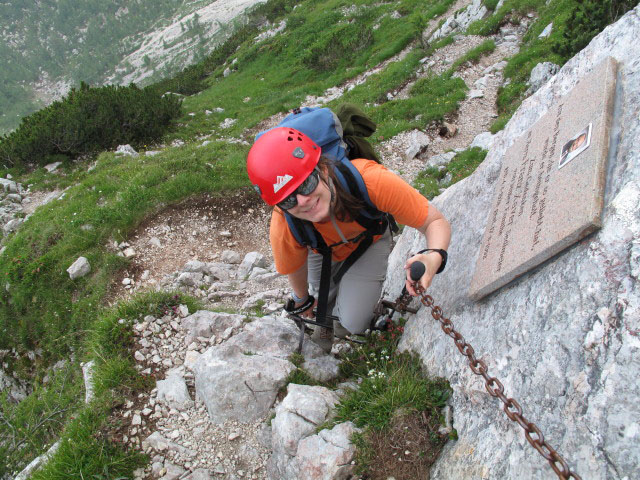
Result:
x=541 y=74
x=229 y=256
x=460 y=21
x=547 y=31
x=483 y=140
x=322 y=369
x=327 y=454
x=250 y=261
x=418 y=142
x=297 y=417
x=239 y=379
x=204 y=323
x=441 y=159
x=547 y=335
x=79 y=268
x=127 y=150
x=173 y=391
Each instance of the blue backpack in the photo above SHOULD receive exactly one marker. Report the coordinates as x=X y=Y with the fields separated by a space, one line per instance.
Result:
x=325 y=128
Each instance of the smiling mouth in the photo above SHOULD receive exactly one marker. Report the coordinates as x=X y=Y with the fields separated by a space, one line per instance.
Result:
x=310 y=209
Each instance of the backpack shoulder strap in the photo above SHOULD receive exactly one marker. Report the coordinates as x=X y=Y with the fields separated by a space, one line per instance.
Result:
x=304 y=232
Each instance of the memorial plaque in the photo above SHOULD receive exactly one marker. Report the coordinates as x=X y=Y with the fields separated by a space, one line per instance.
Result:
x=551 y=187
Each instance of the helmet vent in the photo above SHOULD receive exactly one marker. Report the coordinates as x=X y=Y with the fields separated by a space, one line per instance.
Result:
x=290 y=139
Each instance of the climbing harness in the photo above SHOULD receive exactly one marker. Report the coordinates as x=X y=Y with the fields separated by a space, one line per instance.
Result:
x=512 y=409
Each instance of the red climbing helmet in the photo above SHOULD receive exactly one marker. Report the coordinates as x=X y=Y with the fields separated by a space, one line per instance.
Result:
x=279 y=161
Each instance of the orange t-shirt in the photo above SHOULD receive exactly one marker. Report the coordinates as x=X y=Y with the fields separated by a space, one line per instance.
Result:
x=388 y=192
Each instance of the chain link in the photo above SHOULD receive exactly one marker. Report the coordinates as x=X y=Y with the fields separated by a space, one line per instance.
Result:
x=512 y=409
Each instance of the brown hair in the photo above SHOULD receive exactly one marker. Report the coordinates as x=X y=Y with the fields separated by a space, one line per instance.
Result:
x=346 y=206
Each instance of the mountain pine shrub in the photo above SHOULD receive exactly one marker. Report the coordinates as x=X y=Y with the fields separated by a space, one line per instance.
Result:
x=589 y=18
x=89 y=120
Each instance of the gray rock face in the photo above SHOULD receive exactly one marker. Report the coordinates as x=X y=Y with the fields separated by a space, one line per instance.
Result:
x=250 y=261
x=173 y=391
x=204 y=323
x=239 y=380
x=418 y=142
x=301 y=411
x=563 y=338
x=79 y=268
x=461 y=20
x=541 y=74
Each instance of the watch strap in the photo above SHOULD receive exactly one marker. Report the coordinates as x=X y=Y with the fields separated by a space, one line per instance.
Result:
x=443 y=254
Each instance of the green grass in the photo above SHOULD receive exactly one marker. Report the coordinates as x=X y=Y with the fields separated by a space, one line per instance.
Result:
x=429 y=181
x=57 y=409
x=473 y=55
x=41 y=306
x=392 y=384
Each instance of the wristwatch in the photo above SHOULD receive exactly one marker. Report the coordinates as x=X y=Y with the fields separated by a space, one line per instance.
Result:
x=443 y=254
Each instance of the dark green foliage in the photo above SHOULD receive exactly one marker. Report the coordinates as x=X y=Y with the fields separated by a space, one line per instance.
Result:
x=334 y=50
x=589 y=17
x=89 y=120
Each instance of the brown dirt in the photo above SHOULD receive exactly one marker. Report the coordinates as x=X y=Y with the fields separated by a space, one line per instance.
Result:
x=406 y=450
x=192 y=230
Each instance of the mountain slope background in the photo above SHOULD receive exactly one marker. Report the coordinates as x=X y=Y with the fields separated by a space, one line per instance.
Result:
x=50 y=46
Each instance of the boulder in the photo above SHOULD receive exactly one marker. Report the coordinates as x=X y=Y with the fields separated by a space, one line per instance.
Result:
x=12 y=225
x=250 y=261
x=328 y=454
x=173 y=391
x=79 y=268
x=459 y=21
x=302 y=410
x=418 y=142
x=204 y=323
x=9 y=186
x=126 y=150
x=322 y=369
x=239 y=379
x=483 y=140
x=540 y=75
x=440 y=159
x=562 y=338
x=52 y=167
x=547 y=31
x=229 y=256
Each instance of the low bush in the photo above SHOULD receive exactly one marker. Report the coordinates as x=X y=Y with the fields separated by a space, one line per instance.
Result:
x=87 y=121
x=589 y=17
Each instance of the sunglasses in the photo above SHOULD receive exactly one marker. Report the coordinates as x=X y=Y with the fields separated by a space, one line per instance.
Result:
x=305 y=188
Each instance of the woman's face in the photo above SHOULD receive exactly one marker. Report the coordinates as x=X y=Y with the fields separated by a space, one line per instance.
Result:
x=315 y=206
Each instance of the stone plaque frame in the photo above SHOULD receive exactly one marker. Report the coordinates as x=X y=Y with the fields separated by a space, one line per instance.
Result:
x=550 y=191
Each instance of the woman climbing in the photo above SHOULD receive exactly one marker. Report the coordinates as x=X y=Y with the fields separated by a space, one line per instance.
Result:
x=340 y=208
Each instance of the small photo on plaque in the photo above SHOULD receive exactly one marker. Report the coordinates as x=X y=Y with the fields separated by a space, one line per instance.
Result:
x=575 y=146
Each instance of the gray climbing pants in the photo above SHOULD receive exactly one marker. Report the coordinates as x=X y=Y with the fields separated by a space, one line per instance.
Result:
x=353 y=299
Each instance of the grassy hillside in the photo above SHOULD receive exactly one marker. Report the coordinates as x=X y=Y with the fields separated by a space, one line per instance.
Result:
x=324 y=44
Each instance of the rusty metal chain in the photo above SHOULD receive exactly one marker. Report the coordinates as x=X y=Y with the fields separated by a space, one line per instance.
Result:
x=512 y=409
